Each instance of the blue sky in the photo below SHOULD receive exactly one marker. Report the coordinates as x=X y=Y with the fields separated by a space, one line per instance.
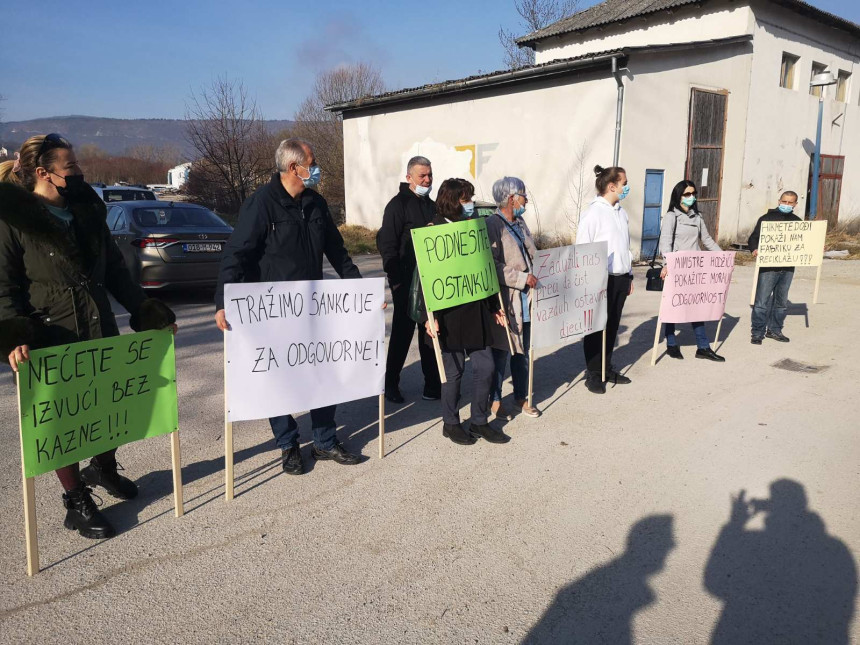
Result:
x=142 y=59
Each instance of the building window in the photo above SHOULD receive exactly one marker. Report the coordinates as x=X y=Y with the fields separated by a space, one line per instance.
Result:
x=817 y=68
x=786 y=72
x=842 y=86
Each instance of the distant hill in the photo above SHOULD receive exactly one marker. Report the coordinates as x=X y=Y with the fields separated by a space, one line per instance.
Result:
x=114 y=136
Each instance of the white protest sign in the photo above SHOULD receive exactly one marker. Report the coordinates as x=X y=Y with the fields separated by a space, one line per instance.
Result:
x=570 y=299
x=302 y=345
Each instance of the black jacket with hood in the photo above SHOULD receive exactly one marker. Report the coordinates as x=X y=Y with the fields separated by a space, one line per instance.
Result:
x=773 y=215
x=55 y=279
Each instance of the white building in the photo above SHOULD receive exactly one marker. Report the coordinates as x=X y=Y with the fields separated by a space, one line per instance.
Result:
x=177 y=177
x=714 y=90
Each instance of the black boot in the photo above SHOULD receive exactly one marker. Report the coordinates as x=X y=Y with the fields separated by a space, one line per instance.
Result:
x=83 y=516
x=594 y=383
x=489 y=433
x=456 y=434
x=97 y=474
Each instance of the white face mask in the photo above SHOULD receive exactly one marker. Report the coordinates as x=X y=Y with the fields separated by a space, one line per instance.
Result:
x=422 y=190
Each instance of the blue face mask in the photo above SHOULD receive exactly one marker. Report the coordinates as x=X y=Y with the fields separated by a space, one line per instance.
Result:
x=518 y=212
x=785 y=208
x=688 y=201
x=625 y=191
x=468 y=209
x=314 y=176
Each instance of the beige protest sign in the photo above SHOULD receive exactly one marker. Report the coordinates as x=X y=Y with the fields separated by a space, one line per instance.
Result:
x=791 y=244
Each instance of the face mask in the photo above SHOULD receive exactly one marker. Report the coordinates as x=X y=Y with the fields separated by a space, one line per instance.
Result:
x=624 y=192
x=688 y=201
x=75 y=186
x=518 y=212
x=785 y=208
x=422 y=190
x=468 y=209
x=314 y=174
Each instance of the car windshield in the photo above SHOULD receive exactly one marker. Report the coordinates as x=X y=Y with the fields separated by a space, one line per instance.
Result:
x=177 y=217
x=126 y=195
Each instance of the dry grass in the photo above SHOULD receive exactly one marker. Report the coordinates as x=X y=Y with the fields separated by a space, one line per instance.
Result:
x=359 y=240
x=845 y=237
x=552 y=240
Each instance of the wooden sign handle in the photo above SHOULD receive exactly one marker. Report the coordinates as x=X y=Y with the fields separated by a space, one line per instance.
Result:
x=176 y=462
x=755 y=284
x=507 y=326
x=656 y=342
x=531 y=352
x=436 y=347
x=29 y=490
x=817 y=284
x=228 y=436
x=603 y=358
x=381 y=426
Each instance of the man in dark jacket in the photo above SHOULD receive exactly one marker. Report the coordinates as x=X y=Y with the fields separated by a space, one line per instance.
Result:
x=284 y=230
x=771 y=295
x=410 y=208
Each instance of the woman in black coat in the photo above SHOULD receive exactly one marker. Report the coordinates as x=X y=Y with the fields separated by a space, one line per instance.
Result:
x=465 y=330
x=58 y=263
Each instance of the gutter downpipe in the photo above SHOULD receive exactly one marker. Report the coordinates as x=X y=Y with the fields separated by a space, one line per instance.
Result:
x=619 y=109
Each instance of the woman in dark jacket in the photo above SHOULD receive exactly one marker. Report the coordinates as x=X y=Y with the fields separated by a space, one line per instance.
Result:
x=58 y=263
x=465 y=330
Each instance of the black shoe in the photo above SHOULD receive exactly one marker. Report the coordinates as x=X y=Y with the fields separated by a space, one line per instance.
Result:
x=777 y=335
x=83 y=516
x=489 y=433
x=617 y=377
x=393 y=394
x=431 y=394
x=710 y=355
x=291 y=461
x=756 y=340
x=108 y=478
x=595 y=384
x=674 y=351
x=456 y=434
x=337 y=454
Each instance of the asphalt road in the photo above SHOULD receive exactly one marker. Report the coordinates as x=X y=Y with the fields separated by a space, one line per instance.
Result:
x=596 y=523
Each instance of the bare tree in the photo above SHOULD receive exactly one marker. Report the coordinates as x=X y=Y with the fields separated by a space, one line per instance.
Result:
x=578 y=187
x=325 y=129
x=235 y=151
x=534 y=15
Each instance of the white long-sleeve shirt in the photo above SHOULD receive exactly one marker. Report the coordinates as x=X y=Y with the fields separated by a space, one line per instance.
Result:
x=603 y=222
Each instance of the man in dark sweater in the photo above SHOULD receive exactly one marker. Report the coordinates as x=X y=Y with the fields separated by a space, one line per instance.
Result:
x=284 y=230
x=410 y=208
x=771 y=295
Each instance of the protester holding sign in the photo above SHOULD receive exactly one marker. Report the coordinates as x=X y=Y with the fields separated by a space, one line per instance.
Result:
x=605 y=221
x=410 y=208
x=284 y=230
x=771 y=296
x=514 y=251
x=465 y=330
x=684 y=229
x=58 y=264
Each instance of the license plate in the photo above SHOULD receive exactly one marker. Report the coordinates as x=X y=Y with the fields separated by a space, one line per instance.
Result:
x=202 y=247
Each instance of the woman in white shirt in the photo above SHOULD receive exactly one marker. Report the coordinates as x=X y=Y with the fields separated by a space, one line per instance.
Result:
x=605 y=221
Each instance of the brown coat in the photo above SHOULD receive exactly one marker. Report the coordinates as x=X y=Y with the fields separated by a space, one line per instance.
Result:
x=512 y=270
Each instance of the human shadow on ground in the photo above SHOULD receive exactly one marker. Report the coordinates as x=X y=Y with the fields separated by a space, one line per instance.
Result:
x=788 y=583
x=599 y=608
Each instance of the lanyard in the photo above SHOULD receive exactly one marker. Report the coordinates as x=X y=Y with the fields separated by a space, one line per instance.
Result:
x=521 y=242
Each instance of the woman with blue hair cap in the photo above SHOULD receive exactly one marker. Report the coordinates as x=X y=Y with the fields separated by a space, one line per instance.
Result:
x=513 y=251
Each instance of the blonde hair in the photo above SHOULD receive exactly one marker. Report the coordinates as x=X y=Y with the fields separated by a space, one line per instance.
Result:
x=29 y=159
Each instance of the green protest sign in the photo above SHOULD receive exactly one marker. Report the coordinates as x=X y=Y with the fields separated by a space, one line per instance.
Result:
x=455 y=263
x=80 y=400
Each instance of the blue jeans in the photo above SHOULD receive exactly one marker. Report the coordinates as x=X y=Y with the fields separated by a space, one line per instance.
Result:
x=286 y=430
x=519 y=370
x=771 y=301
x=702 y=341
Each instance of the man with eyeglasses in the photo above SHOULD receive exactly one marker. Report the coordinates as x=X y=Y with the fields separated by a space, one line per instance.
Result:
x=284 y=230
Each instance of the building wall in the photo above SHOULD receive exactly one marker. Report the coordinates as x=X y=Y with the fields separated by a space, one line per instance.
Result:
x=781 y=122
x=549 y=134
x=656 y=124
x=713 y=21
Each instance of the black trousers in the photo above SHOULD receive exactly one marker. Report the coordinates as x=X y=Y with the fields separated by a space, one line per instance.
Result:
x=402 y=331
x=616 y=294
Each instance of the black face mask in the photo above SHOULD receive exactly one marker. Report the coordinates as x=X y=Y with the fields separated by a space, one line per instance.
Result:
x=75 y=187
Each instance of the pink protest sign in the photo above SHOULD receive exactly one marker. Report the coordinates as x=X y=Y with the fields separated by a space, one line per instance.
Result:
x=697 y=285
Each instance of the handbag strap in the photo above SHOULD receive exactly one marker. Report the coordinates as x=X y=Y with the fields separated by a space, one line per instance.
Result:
x=660 y=235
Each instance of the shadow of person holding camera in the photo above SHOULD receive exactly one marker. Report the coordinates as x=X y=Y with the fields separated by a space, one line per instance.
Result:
x=599 y=607
x=788 y=583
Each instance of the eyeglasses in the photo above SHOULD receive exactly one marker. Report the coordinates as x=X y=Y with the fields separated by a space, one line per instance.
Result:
x=525 y=199
x=50 y=141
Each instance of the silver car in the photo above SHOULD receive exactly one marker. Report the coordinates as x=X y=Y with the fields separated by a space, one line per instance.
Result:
x=169 y=244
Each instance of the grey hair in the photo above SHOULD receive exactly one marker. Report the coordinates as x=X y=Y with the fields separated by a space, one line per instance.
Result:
x=505 y=187
x=417 y=161
x=291 y=151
